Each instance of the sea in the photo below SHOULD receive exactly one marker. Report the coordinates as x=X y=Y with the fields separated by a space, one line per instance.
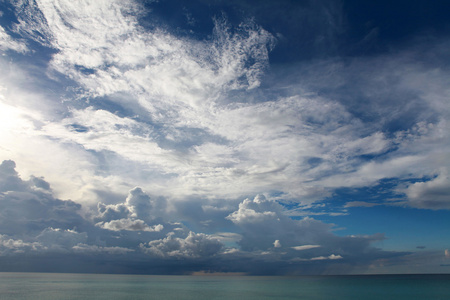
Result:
x=51 y=286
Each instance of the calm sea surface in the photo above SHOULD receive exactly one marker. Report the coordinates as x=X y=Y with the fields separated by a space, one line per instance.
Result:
x=90 y=286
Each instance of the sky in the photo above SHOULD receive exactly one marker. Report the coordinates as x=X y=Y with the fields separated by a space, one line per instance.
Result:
x=250 y=137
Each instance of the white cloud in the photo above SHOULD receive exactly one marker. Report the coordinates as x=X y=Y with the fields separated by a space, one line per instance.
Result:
x=432 y=194
x=332 y=257
x=93 y=249
x=176 y=81
x=132 y=215
x=195 y=245
x=68 y=167
x=121 y=104
x=137 y=209
x=128 y=57
x=302 y=240
x=247 y=214
x=303 y=145
x=11 y=246
x=262 y=221
x=305 y=247
x=129 y=224
x=7 y=43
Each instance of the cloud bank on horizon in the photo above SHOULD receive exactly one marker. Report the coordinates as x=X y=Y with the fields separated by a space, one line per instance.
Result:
x=230 y=137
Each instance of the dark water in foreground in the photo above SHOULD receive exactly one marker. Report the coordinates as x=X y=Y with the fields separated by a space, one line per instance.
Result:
x=92 y=286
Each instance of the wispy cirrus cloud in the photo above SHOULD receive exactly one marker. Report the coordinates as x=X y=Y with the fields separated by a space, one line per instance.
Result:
x=8 y=43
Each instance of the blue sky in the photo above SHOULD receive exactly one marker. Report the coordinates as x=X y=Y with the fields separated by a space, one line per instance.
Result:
x=258 y=137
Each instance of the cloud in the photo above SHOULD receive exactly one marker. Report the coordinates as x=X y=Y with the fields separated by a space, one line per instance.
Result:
x=261 y=221
x=447 y=253
x=186 y=113
x=66 y=166
x=129 y=224
x=99 y=98
x=8 y=43
x=360 y=204
x=170 y=83
x=332 y=257
x=55 y=239
x=93 y=249
x=28 y=207
x=12 y=246
x=305 y=247
x=195 y=245
x=227 y=237
x=47 y=232
x=432 y=194
x=137 y=205
x=132 y=214
x=10 y=180
x=248 y=214
x=127 y=58
x=112 y=211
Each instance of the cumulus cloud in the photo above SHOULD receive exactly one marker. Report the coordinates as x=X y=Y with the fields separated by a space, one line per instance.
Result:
x=301 y=240
x=58 y=239
x=263 y=220
x=250 y=211
x=36 y=227
x=195 y=245
x=16 y=246
x=47 y=224
x=112 y=211
x=132 y=214
x=128 y=224
x=10 y=180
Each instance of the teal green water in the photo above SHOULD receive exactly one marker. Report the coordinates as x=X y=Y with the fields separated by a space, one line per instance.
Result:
x=50 y=286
